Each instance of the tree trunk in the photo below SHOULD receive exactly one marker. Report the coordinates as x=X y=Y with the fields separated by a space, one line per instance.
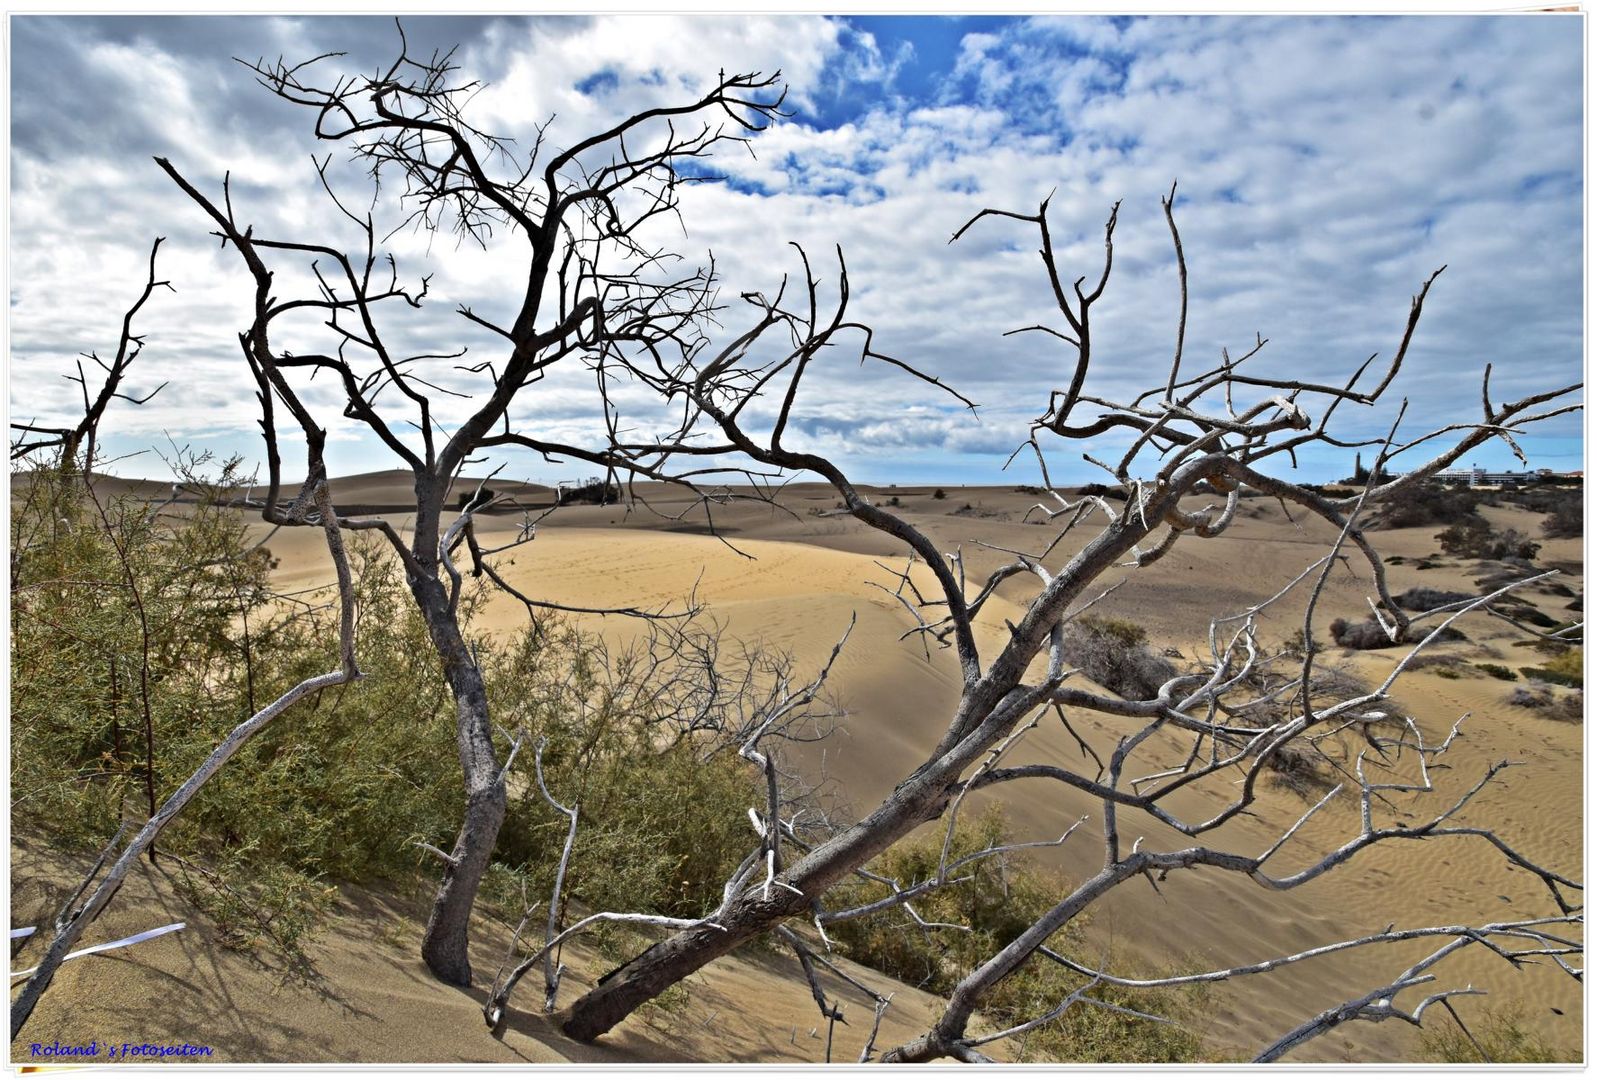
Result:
x=661 y=966
x=444 y=945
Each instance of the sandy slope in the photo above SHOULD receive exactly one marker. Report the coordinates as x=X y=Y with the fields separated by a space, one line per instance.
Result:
x=372 y=1000
x=811 y=570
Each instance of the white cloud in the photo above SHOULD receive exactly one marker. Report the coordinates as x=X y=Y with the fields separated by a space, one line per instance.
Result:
x=1326 y=166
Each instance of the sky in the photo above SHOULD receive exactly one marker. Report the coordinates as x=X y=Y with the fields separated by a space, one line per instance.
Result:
x=1325 y=167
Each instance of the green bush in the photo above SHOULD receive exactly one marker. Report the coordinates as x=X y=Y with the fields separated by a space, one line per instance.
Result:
x=136 y=635
x=1498 y=671
x=1549 y=675
x=1566 y=669
x=1502 y=1033
x=140 y=640
x=1001 y=900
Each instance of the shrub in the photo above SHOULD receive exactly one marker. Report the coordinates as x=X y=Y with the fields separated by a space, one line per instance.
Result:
x=342 y=787
x=1529 y=614
x=939 y=494
x=1001 y=900
x=271 y=907
x=1113 y=653
x=1570 y=663
x=1498 y=671
x=1531 y=697
x=1502 y=1034
x=1296 y=645
x=1545 y=647
x=128 y=626
x=1475 y=539
x=1299 y=766
x=1431 y=504
x=1370 y=634
x=1566 y=669
x=1539 y=696
x=1573 y=632
x=1424 y=598
x=978 y=511
x=1566 y=520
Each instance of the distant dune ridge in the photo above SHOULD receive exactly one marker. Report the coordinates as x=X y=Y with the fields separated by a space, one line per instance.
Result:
x=811 y=571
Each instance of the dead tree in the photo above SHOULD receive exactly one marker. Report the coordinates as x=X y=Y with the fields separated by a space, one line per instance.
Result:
x=82 y=438
x=1219 y=427
x=587 y=286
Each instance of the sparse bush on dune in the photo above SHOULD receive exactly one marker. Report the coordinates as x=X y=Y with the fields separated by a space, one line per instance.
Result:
x=1501 y=1036
x=1528 y=614
x=1565 y=669
x=1423 y=598
x=1300 y=767
x=346 y=787
x=1002 y=898
x=1568 y=519
x=1476 y=539
x=1369 y=634
x=1114 y=654
x=1541 y=697
x=1297 y=644
x=1431 y=503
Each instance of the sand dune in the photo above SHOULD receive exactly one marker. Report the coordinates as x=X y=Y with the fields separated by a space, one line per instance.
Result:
x=794 y=580
x=372 y=999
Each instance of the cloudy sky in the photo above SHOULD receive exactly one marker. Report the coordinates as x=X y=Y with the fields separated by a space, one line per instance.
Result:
x=1326 y=167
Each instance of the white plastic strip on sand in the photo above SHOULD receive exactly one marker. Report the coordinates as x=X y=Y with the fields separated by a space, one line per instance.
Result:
x=134 y=940
x=22 y=932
